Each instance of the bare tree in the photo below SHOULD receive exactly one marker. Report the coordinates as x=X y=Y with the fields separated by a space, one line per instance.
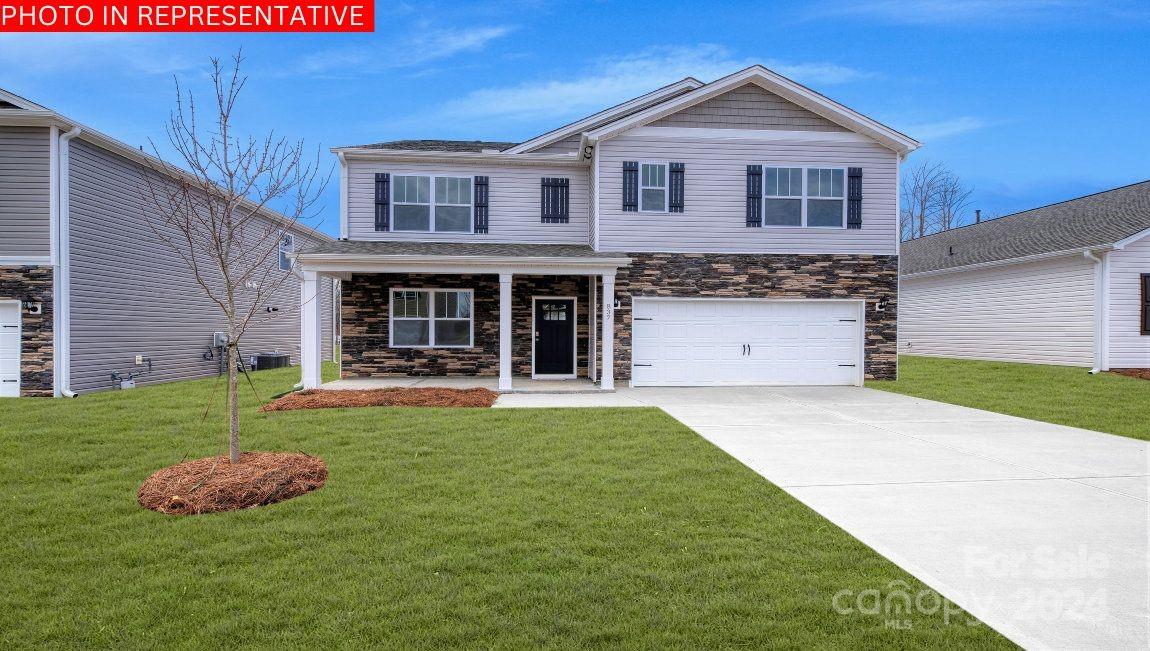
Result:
x=933 y=198
x=215 y=212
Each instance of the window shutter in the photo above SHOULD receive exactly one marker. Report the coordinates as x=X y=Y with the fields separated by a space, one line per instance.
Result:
x=754 y=195
x=675 y=201
x=382 y=201
x=1146 y=304
x=854 y=197
x=630 y=186
x=480 y=204
x=555 y=200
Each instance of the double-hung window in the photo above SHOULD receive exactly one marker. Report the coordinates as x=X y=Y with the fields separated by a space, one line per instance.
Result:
x=804 y=196
x=439 y=204
x=653 y=187
x=431 y=318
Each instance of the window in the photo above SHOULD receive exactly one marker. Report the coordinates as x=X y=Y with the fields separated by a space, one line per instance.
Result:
x=795 y=196
x=287 y=245
x=430 y=318
x=414 y=210
x=653 y=187
x=1146 y=304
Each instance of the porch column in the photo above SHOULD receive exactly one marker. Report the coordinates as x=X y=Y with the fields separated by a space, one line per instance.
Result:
x=311 y=331
x=607 y=372
x=505 y=332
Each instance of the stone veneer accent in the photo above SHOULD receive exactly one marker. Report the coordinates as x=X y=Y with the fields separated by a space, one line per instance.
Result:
x=365 y=310
x=870 y=277
x=32 y=283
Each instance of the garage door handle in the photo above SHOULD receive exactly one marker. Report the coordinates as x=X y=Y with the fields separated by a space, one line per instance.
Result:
x=643 y=365
x=851 y=365
x=9 y=380
x=641 y=318
x=9 y=326
x=849 y=320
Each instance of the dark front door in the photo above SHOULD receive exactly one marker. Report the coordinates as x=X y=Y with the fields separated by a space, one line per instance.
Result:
x=554 y=336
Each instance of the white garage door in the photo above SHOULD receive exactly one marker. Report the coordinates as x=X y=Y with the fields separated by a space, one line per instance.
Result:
x=700 y=342
x=9 y=349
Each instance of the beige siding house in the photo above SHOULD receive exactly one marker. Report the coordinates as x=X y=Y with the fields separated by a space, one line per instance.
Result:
x=89 y=296
x=1064 y=284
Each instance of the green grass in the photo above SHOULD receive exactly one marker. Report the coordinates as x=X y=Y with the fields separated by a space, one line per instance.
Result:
x=1055 y=394
x=475 y=528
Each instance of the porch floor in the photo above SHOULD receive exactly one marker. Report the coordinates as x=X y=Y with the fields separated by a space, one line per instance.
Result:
x=518 y=385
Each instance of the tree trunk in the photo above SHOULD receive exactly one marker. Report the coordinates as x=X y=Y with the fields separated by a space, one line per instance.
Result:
x=234 y=402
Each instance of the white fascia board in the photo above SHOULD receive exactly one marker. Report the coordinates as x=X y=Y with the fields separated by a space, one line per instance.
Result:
x=1125 y=242
x=418 y=156
x=24 y=103
x=555 y=135
x=1007 y=262
x=342 y=263
x=763 y=135
x=774 y=83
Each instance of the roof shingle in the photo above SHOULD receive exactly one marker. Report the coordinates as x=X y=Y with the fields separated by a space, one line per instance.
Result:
x=469 y=249
x=1092 y=221
x=440 y=145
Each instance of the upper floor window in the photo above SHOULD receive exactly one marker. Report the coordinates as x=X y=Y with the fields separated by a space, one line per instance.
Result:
x=797 y=196
x=287 y=245
x=653 y=187
x=439 y=204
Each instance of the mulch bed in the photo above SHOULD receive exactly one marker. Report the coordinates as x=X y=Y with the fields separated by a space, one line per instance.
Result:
x=214 y=484
x=391 y=397
x=1140 y=373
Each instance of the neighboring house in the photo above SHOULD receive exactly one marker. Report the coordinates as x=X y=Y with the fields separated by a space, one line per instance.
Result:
x=1066 y=284
x=743 y=231
x=86 y=288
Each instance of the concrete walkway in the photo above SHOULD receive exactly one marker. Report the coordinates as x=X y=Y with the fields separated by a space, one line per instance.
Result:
x=1039 y=530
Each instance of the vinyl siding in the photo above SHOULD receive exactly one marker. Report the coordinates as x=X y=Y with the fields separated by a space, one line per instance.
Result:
x=25 y=222
x=1128 y=347
x=1040 y=312
x=131 y=294
x=564 y=146
x=715 y=217
x=748 y=107
x=513 y=212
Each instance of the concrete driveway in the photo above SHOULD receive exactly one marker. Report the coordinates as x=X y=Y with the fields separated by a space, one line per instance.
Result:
x=1039 y=530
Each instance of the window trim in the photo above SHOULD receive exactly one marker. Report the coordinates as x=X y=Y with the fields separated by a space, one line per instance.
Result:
x=287 y=247
x=666 y=188
x=431 y=176
x=806 y=195
x=431 y=318
x=1144 y=303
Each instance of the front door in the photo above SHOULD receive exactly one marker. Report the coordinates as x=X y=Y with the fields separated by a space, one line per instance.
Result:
x=555 y=336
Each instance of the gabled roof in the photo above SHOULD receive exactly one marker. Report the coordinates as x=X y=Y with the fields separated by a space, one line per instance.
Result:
x=10 y=100
x=774 y=83
x=608 y=115
x=1096 y=221
x=439 y=145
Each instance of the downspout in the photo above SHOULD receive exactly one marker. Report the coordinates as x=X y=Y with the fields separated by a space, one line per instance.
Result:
x=63 y=307
x=1101 y=310
x=54 y=237
x=343 y=196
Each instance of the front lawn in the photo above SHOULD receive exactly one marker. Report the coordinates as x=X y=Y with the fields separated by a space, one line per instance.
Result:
x=1106 y=402
x=437 y=527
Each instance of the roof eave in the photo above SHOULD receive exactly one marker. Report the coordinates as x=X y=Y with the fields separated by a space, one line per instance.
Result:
x=1010 y=261
x=422 y=156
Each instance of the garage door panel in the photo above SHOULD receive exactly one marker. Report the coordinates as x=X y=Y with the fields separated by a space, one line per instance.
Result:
x=9 y=349
x=692 y=342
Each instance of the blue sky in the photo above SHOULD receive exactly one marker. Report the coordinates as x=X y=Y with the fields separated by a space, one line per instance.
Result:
x=1030 y=101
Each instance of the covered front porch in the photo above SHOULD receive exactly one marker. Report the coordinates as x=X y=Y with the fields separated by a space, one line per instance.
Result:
x=515 y=317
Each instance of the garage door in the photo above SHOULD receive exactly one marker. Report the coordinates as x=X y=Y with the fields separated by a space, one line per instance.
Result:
x=700 y=342
x=9 y=349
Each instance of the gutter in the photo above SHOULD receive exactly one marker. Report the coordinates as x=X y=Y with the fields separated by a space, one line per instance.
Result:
x=1101 y=309
x=1005 y=263
x=62 y=310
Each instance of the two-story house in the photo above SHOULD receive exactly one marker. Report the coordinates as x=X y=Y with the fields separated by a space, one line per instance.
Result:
x=743 y=231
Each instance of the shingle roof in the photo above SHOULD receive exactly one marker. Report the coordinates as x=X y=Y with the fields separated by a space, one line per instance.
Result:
x=440 y=145
x=1092 y=221
x=471 y=249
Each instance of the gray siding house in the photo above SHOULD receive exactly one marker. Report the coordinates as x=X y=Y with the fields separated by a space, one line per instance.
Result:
x=88 y=293
x=743 y=231
x=1065 y=284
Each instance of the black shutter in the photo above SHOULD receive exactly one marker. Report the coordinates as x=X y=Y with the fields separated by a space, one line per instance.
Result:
x=1146 y=304
x=382 y=201
x=675 y=204
x=555 y=200
x=854 y=197
x=481 y=204
x=754 y=195
x=630 y=186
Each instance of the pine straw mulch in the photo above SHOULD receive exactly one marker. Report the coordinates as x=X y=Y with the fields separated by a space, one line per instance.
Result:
x=389 y=397
x=1140 y=373
x=214 y=484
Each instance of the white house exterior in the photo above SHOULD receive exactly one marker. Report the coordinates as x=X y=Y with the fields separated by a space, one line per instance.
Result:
x=743 y=231
x=1064 y=284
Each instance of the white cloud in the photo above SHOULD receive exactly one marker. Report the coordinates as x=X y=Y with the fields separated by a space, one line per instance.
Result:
x=944 y=129
x=617 y=79
x=43 y=53
x=921 y=12
x=425 y=45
